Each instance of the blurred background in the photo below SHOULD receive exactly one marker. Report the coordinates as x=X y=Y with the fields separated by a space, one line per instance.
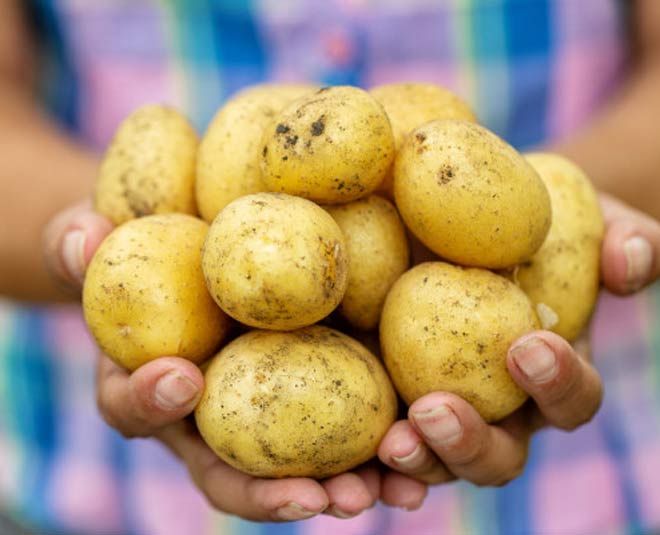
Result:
x=535 y=71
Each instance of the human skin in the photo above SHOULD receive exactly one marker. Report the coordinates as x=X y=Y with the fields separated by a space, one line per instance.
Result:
x=154 y=400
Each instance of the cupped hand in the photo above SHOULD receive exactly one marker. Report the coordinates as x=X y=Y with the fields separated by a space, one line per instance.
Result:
x=157 y=399
x=154 y=401
x=444 y=438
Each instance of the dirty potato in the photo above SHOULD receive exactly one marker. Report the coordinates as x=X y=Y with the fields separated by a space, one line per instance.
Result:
x=562 y=278
x=448 y=328
x=145 y=297
x=469 y=196
x=410 y=105
x=228 y=158
x=378 y=254
x=149 y=167
x=333 y=146
x=307 y=403
x=275 y=261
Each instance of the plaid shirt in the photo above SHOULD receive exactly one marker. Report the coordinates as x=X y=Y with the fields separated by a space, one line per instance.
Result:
x=533 y=70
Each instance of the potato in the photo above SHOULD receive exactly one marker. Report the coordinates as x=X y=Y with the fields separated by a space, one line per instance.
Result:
x=149 y=167
x=469 y=196
x=144 y=295
x=228 y=159
x=378 y=254
x=307 y=403
x=275 y=261
x=333 y=146
x=562 y=278
x=448 y=328
x=410 y=105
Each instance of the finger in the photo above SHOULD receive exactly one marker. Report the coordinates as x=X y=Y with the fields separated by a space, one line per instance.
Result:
x=234 y=492
x=348 y=495
x=471 y=449
x=370 y=474
x=70 y=240
x=565 y=387
x=158 y=393
x=631 y=248
x=400 y=490
x=403 y=450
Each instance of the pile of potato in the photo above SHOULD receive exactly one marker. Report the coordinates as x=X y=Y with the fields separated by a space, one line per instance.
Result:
x=282 y=215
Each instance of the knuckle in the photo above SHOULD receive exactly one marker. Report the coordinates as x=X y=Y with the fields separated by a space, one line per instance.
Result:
x=212 y=499
x=499 y=480
x=582 y=410
x=435 y=476
x=467 y=453
x=578 y=419
x=111 y=418
x=204 y=481
x=561 y=391
x=104 y=409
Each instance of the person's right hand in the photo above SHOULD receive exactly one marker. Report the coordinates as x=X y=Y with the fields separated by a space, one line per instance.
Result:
x=156 y=399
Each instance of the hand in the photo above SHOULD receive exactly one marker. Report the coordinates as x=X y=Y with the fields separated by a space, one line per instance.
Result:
x=156 y=399
x=444 y=438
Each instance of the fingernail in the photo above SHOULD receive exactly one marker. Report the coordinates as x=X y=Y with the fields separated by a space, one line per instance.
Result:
x=412 y=460
x=536 y=360
x=439 y=424
x=639 y=258
x=335 y=511
x=293 y=511
x=73 y=254
x=174 y=390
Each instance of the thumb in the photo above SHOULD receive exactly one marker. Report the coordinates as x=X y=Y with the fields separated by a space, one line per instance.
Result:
x=70 y=240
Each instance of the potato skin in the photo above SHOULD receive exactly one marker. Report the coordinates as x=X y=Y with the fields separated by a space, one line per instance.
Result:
x=564 y=272
x=275 y=261
x=378 y=255
x=306 y=403
x=333 y=146
x=145 y=297
x=149 y=167
x=228 y=158
x=410 y=105
x=469 y=196
x=448 y=328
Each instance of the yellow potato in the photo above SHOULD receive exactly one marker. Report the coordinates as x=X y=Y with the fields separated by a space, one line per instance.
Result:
x=149 y=167
x=562 y=278
x=469 y=196
x=275 y=261
x=410 y=105
x=378 y=254
x=307 y=403
x=448 y=328
x=333 y=146
x=145 y=297
x=228 y=158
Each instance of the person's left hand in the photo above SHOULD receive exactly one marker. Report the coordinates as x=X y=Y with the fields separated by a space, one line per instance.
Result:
x=157 y=399
x=444 y=438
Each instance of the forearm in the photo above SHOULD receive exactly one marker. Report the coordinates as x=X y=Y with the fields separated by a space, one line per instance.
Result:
x=620 y=148
x=42 y=171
